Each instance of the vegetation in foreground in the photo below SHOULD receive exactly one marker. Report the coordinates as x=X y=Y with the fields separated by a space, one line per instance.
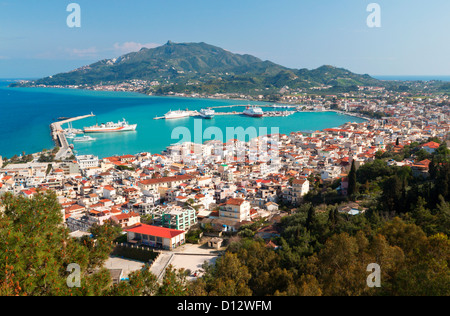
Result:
x=321 y=251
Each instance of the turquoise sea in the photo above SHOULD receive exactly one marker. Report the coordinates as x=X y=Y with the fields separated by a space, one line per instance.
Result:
x=26 y=115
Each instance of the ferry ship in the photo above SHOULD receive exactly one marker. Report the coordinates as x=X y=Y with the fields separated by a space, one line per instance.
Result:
x=207 y=113
x=176 y=115
x=110 y=127
x=83 y=139
x=253 y=111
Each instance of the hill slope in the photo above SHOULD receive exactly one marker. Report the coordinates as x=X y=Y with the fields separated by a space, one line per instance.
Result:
x=201 y=67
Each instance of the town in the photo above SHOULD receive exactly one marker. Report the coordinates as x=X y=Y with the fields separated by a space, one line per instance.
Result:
x=165 y=200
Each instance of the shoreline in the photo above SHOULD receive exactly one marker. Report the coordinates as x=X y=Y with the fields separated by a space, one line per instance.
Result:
x=208 y=97
x=61 y=142
x=327 y=111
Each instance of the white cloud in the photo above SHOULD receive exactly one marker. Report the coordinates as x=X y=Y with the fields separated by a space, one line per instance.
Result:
x=93 y=53
x=129 y=47
x=90 y=52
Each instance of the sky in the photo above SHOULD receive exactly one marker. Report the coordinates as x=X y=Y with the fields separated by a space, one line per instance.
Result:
x=413 y=39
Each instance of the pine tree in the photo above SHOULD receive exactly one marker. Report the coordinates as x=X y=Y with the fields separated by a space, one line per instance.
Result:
x=36 y=251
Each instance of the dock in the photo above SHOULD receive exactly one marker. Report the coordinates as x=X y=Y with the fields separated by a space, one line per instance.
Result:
x=261 y=106
x=266 y=114
x=59 y=137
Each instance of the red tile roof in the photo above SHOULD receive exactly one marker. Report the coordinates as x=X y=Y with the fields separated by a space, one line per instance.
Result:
x=155 y=231
x=432 y=145
x=233 y=201
x=166 y=179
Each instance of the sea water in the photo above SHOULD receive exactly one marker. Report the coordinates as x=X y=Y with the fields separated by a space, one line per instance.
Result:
x=26 y=115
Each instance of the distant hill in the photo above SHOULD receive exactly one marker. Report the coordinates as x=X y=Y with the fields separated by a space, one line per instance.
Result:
x=199 y=67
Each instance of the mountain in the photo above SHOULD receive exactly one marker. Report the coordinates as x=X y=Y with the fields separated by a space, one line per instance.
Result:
x=200 y=67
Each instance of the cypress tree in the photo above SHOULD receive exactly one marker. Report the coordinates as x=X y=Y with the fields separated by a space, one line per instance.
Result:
x=311 y=217
x=352 y=181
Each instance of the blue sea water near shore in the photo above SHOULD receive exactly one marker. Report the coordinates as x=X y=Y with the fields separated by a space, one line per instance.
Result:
x=26 y=115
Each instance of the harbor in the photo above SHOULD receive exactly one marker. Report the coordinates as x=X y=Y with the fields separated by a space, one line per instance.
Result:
x=261 y=106
x=253 y=111
x=59 y=136
x=137 y=110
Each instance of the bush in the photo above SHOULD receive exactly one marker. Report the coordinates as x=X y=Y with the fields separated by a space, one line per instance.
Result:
x=194 y=236
x=138 y=254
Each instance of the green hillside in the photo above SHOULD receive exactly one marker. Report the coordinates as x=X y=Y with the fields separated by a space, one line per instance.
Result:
x=200 y=67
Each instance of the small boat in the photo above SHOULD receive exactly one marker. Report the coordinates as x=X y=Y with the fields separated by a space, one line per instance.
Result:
x=84 y=139
x=70 y=135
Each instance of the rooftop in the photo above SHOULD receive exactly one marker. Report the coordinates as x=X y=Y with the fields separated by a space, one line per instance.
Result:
x=155 y=231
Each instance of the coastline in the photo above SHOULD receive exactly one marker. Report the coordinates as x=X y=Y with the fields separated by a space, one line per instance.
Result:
x=59 y=142
x=204 y=97
x=65 y=151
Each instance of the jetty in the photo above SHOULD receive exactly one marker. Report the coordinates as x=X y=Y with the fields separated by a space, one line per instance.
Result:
x=266 y=114
x=259 y=105
x=59 y=137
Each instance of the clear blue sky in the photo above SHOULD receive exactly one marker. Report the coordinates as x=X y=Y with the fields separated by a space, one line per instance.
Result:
x=414 y=37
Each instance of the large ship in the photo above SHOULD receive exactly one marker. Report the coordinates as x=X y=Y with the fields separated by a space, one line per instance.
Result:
x=110 y=127
x=253 y=111
x=176 y=114
x=207 y=113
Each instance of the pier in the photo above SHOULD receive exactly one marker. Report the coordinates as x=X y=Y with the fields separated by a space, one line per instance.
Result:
x=59 y=136
x=261 y=106
x=281 y=113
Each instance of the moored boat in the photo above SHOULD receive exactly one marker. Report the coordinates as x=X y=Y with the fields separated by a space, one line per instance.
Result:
x=110 y=127
x=207 y=113
x=83 y=139
x=176 y=114
x=253 y=111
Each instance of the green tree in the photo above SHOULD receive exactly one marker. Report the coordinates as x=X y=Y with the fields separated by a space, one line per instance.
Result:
x=36 y=250
x=227 y=277
x=391 y=196
x=174 y=283
x=352 y=181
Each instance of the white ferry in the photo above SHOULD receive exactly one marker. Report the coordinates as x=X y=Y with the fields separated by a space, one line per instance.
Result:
x=254 y=111
x=207 y=113
x=176 y=114
x=110 y=127
x=83 y=139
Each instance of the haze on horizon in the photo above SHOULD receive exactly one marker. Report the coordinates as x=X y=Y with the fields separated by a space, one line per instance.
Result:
x=35 y=40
